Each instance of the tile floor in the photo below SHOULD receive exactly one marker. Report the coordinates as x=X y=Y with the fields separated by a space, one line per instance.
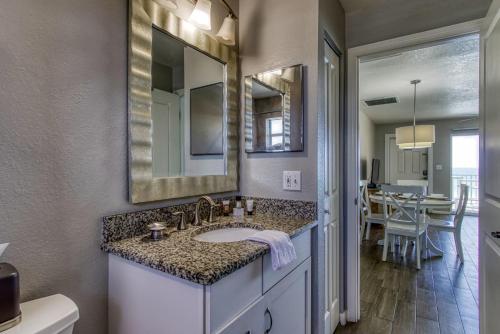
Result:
x=440 y=298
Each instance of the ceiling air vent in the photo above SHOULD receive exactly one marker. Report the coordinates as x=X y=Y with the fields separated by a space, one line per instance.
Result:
x=381 y=101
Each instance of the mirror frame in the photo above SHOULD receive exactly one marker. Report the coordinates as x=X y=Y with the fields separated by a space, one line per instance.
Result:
x=261 y=79
x=143 y=14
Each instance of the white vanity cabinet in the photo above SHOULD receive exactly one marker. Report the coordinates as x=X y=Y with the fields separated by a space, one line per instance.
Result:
x=251 y=300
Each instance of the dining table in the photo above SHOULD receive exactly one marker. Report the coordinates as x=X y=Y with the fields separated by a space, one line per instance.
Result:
x=428 y=203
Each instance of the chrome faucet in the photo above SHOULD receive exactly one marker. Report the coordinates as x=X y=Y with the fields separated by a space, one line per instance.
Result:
x=197 y=219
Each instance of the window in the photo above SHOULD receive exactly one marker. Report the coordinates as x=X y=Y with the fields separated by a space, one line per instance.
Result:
x=274 y=133
x=465 y=168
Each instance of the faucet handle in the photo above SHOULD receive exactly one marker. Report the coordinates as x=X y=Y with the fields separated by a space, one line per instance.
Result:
x=213 y=206
x=181 y=225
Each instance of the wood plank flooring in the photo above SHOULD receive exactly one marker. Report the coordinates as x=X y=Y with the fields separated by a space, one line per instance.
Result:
x=441 y=298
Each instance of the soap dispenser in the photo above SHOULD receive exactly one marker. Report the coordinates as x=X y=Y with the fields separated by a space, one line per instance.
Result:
x=10 y=312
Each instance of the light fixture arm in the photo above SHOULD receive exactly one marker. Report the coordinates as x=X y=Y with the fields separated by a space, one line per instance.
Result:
x=414 y=83
x=231 y=12
x=229 y=9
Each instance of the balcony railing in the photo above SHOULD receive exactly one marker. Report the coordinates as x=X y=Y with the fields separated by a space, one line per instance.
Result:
x=473 y=182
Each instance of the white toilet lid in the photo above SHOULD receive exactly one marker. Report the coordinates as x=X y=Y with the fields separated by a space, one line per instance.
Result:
x=47 y=315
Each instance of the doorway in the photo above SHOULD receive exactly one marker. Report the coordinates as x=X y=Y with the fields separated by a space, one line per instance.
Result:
x=465 y=167
x=380 y=49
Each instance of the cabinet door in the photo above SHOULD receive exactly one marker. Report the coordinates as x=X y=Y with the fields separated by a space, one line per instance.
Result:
x=250 y=321
x=289 y=303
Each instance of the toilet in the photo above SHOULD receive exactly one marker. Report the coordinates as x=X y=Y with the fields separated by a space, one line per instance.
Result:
x=49 y=315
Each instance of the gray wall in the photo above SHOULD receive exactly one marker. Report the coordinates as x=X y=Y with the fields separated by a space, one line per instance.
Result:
x=387 y=19
x=366 y=145
x=63 y=143
x=275 y=34
x=441 y=149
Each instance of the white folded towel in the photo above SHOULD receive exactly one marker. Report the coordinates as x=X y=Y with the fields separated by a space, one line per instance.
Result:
x=282 y=250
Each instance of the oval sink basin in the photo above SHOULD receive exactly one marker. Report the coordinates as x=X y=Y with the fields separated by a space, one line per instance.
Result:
x=225 y=232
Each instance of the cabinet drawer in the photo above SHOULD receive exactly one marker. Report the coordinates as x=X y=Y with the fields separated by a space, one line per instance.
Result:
x=228 y=297
x=250 y=321
x=302 y=244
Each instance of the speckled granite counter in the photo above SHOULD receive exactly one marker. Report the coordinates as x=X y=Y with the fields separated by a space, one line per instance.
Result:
x=201 y=262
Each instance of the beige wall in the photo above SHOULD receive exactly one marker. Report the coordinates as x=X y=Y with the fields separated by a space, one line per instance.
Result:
x=366 y=145
x=275 y=34
x=386 y=19
x=441 y=149
x=63 y=145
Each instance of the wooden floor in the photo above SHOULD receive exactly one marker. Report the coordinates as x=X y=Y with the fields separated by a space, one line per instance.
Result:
x=440 y=298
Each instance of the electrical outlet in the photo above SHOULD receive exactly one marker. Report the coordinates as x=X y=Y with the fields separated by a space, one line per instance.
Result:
x=439 y=167
x=292 y=180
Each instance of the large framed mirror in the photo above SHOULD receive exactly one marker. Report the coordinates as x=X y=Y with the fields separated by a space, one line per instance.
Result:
x=183 y=117
x=274 y=112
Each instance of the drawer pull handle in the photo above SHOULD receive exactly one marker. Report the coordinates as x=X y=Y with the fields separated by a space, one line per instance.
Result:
x=495 y=235
x=270 y=318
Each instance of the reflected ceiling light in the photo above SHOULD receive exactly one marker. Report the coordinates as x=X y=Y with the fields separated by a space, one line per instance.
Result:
x=276 y=72
x=227 y=32
x=201 y=14
x=170 y=4
x=416 y=136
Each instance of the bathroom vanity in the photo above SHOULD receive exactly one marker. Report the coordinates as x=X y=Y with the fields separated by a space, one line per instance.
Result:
x=182 y=285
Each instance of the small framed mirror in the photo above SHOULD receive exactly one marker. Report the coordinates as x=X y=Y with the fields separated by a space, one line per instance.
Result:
x=274 y=111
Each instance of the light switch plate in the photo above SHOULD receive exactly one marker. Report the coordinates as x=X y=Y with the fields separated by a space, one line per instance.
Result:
x=439 y=167
x=292 y=180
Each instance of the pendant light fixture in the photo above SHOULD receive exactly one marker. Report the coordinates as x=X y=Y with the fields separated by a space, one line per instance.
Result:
x=416 y=136
x=227 y=31
x=201 y=15
x=170 y=4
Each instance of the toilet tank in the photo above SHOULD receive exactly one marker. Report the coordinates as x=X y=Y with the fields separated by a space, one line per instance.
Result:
x=55 y=314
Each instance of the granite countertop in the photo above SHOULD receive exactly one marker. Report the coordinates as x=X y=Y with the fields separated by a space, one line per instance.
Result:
x=202 y=262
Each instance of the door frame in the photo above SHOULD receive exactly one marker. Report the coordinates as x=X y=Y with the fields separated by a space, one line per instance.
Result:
x=430 y=163
x=352 y=139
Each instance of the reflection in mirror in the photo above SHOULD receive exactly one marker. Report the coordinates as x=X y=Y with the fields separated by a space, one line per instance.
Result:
x=274 y=111
x=187 y=111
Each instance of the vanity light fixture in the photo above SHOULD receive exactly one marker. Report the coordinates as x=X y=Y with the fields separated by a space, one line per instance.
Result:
x=170 y=4
x=201 y=17
x=227 y=32
x=416 y=136
x=201 y=14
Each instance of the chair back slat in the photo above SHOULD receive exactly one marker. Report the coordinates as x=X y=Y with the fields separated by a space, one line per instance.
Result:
x=462 y=206
x=402 y=213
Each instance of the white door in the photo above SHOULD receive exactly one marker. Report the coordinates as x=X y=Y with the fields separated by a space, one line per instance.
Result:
x=331 y=215
x=165 y=114
x=404 y=164
x=489 y=175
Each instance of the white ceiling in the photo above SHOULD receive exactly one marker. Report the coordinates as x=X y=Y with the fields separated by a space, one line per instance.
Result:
x=260 y=91
x=449 y=89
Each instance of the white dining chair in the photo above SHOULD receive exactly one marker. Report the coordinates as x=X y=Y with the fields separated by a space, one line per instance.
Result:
x=367 y=215
x=404 y=221
x=455 y=226
x=362 y=209
x=420 y=183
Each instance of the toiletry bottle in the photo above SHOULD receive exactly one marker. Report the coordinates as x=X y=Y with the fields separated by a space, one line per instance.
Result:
x=226 y=207
x=249 y=205
x=238 y=211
